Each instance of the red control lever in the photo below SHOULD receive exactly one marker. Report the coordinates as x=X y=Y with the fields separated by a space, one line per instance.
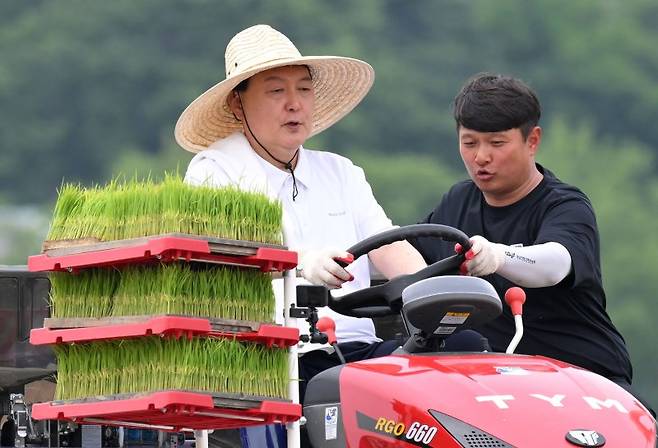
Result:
x=327 y=326
x=343 y=262
x=515 y=297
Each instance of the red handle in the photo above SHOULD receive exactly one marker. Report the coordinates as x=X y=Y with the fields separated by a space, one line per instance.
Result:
x=515 y=297
x=327 y=326
x=343 y=262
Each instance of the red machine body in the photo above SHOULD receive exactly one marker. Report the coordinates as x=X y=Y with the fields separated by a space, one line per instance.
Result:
x=502 y=401
x=424 y=397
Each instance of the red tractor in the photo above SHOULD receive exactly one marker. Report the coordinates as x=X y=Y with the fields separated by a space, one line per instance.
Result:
x=422 y=397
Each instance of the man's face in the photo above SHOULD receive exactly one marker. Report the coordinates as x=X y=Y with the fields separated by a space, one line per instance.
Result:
x=501 y=164
x=278 y=105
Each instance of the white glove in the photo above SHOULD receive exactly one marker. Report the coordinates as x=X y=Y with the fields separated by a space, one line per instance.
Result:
x=483 y=258
x=320 y=268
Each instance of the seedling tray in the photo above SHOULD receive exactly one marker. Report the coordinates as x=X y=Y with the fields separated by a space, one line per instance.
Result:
x=171 y=410
x=164 y=248
x=78 y=330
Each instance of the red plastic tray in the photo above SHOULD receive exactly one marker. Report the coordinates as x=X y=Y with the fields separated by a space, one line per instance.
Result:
x=164 y=248
x=171 y=411
x=171 y=326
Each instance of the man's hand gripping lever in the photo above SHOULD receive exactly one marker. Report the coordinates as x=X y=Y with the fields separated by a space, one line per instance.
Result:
x=309 y=299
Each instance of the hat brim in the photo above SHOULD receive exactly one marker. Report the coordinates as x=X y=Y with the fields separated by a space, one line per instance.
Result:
x=339 y=84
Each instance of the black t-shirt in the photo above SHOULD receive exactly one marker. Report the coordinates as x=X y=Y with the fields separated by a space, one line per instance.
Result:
x=567 y=321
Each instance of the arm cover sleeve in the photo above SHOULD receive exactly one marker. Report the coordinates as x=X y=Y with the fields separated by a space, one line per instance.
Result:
x=536 y=266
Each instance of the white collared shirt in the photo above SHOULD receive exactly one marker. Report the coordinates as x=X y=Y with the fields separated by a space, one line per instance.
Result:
x=335 y=208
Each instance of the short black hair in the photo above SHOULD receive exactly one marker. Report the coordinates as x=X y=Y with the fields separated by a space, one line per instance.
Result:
x=242 y=86
x=493 y=103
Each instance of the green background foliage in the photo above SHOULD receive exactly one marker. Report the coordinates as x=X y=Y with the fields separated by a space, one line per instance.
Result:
x=90 y=88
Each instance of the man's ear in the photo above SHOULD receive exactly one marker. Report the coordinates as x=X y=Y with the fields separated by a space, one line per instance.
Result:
x=534 y=139
x=235 y=104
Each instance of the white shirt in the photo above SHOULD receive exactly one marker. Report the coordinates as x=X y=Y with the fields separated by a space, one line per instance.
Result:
x=335 y=207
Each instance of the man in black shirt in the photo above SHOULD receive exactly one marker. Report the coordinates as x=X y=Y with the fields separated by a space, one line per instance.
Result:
x=530 y=230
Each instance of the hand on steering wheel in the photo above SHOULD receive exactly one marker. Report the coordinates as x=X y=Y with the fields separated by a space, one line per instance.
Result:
x=483 y=258
x=386 y=299
x=320 y=267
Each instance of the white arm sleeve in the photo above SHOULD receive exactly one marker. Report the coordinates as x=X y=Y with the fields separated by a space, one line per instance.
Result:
x=536 y=266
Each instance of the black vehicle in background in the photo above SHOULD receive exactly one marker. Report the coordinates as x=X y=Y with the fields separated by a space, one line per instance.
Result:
x=23 y=306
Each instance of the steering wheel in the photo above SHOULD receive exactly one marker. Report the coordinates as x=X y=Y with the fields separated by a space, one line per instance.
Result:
x=386 y=299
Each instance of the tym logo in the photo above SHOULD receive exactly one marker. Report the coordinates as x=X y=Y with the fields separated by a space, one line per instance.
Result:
x=585 y=437
x=501 y=401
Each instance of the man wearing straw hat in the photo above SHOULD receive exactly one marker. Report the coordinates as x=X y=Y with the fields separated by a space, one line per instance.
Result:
x=248 y=131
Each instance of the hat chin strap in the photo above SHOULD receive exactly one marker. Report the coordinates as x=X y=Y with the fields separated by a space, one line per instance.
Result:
x=286 y=165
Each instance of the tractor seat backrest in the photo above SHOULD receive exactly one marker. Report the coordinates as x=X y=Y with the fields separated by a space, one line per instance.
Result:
x=440 y=305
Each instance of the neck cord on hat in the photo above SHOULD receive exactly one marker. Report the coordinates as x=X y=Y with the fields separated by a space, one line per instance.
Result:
x=286 y=165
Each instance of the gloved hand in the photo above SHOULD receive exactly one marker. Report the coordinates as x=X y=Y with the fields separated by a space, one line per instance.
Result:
x=483 y=258
x=320 y=268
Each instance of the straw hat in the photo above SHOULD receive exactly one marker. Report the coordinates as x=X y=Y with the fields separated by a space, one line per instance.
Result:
x=339 y=84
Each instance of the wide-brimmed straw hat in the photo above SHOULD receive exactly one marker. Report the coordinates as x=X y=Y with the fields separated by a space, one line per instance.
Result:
x=339 y=84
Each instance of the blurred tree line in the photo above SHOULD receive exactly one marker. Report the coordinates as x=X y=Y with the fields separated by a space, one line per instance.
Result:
x=91 y=89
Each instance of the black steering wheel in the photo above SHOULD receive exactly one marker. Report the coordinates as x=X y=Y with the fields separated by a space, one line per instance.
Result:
x=386 y=299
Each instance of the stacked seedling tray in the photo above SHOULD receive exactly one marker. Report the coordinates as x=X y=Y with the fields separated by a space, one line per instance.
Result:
x=162 y=307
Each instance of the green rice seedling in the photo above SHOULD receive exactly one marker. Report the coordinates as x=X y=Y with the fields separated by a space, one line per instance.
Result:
x=224 y=212
x=136 y=208
x=177 y=206
x=182 y=288
x=117 y=209
x=152 y=363
x=143 y=210
x=165 y=288
x=87 y=293
x=70 y=197
x=91 y=221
